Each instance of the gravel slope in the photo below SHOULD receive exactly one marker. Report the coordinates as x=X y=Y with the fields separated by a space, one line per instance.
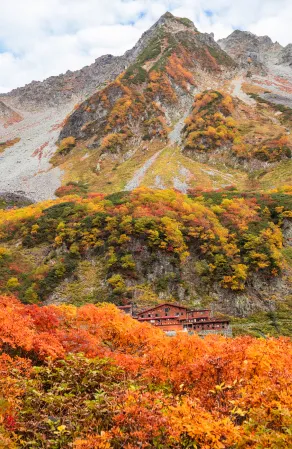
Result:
x=25 y=167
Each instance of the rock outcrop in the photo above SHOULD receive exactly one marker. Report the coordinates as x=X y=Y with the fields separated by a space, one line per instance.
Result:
x=286 y=55
x=8 y=116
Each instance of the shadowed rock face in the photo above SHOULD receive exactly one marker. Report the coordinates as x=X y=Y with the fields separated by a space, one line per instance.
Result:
x=286 y=55
x=12 y=200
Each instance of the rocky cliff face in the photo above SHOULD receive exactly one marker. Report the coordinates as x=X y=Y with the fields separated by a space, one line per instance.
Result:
x=286 y=55
x=256 y=51
x=250 y=49
x=72 y=86
x=8 y=116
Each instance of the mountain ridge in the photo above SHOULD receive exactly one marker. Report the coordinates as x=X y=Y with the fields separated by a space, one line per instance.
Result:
x=110 y=67
x=120 y=60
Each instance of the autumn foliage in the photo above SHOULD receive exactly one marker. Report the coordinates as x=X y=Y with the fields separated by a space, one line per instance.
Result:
x=8 y=144
x=93 y=377
x=225 y=238
x=210 y=125
x=66 y=145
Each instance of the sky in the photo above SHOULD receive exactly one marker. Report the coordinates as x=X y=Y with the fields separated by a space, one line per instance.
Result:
x=41 y=38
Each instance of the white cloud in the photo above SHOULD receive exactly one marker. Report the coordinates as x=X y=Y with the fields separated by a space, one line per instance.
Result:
x=40 y=38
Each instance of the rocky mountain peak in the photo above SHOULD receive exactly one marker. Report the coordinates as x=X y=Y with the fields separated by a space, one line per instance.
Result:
x=73 y=86
x=167 y=23
x=166 y=65
x=249 y=49
x=170 y=20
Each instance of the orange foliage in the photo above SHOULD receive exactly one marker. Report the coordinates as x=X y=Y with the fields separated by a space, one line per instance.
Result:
x=210 y=125
x=273 y=150
x=160 y=86
x=16 y=327
x=8 y=144
x=130 y=106
x=180 y=391
x=176 y=68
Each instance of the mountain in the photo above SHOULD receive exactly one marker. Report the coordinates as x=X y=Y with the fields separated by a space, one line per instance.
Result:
x=204 y=129
x=130 y=130
x=170 y=64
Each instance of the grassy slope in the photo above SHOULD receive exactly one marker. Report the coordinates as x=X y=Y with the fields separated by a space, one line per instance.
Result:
x=171 y=164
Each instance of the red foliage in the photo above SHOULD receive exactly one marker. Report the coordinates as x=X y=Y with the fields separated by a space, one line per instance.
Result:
x=217 y=392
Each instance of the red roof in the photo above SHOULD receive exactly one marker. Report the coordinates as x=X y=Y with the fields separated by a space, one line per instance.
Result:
x=168 y=304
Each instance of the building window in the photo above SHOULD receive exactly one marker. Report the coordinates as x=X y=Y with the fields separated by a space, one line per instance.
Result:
x=142 y=316
x=149 y=315
x=166 y=314
x=166 y=309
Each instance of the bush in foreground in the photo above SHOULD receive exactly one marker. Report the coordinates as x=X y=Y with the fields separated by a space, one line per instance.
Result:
x=92 y=377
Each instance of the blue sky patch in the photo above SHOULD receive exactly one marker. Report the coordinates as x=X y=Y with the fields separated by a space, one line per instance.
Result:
x=3 y=47
x=141 y=15
x=208 y=12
